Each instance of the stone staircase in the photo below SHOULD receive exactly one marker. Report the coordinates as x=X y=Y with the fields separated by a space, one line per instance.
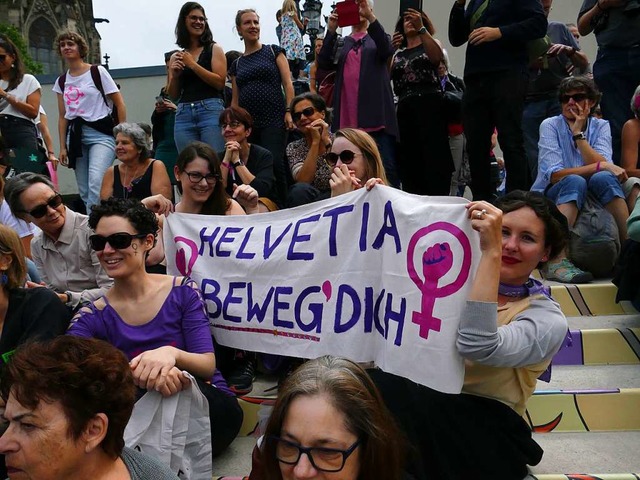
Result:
x=587 y=418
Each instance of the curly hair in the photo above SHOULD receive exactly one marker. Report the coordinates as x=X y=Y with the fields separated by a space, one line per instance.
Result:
x=218 y=202
x=16 y=73
x=11 y=245
x=369 y=149
x=142 y=220
x=87 y=376
x=183 y=39
x=426 y=21
x=581 y=83
x=83 y=47
x=556 y=227
x=352 y=392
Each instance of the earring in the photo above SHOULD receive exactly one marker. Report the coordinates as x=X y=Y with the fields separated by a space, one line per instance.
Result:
x=3 y=278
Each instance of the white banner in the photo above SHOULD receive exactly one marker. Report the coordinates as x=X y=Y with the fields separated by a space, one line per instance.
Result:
x=376 y=276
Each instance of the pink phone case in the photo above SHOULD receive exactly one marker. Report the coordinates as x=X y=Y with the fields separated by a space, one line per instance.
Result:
x=347 y=13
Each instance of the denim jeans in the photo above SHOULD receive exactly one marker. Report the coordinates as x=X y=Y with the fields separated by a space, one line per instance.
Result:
x=573 y=188
x=98 y=153
x=199 y=121
x=617 y=74
x=533 y=115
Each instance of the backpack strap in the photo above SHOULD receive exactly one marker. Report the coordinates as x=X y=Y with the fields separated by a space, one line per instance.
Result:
x=61 y=81
x=97 y=80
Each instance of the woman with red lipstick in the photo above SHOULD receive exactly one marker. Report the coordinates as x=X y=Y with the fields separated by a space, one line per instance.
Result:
x=508 y=334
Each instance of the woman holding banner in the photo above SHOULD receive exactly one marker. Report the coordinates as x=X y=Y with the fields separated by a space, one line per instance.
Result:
x=171 y=333
x=508 y=334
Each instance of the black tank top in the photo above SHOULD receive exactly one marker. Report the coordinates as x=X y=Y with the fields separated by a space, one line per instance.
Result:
x=140 y=187
x=193 y=87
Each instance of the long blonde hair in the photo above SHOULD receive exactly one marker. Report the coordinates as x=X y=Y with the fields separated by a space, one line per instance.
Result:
x=289 y=6
x=369 y=148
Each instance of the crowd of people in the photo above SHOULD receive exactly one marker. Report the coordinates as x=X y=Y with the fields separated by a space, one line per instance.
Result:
x=231 y=137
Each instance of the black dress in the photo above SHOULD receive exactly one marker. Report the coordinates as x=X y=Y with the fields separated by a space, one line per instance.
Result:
x=425 y=157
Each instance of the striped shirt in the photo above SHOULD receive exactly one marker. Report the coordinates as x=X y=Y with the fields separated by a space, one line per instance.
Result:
x=558 y=151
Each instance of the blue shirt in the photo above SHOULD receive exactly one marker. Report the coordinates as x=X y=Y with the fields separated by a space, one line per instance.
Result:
x=558 y=151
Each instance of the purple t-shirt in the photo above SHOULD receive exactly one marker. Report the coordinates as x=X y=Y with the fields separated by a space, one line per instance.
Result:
x=182 y=322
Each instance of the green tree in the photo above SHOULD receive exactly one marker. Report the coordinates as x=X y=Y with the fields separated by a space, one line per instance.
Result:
x=14 y=35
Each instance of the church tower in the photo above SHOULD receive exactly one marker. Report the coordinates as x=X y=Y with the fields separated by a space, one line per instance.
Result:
x=40 y=22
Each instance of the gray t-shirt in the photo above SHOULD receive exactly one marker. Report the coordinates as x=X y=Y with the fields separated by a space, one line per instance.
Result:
x=622 y=29
x=143 y=467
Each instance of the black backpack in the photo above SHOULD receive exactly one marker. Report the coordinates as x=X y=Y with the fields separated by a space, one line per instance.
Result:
x=97 y=81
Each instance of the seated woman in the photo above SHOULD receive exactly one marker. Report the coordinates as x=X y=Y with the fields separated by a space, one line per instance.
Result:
x=330 y=411
x=138 y=176
x=630 y=150
x=61 y=250
x=307 y=155
x=68 y=403
x=160 y=322
x=243 y=162
x=355 y=162
x=508 y=334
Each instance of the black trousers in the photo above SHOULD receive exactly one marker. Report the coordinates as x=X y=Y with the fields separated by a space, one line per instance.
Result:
x=495 y=100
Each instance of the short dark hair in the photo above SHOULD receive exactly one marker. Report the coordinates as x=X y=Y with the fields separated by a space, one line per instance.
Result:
x=16 y=73
x=580 y=83
x=316 y=100
x=556 y=227
x=183 y=39
x=232 y=56
x=428 y=24
x=236 y=114
x=142 y=220
x=352 y=392
x=16 y=186
x=87 y=376
x=218 y=203
x=83 y=47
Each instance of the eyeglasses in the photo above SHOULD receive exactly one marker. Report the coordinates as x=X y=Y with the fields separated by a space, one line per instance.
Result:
x=577 y=97
x=233 y=125
x=196 y=177
x=346 y=156
x=118 y=241
x=307 y=112
x=322 y=459
x=41 y=210
x=196 y=18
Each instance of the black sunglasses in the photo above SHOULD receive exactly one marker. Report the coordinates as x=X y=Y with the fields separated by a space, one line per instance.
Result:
x=346 y=156
x=307 y=112
x=118 y=241
x=577 y=97
x=41 y=210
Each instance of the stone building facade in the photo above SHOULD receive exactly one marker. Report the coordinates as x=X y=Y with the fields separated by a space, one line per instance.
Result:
x=40 y=22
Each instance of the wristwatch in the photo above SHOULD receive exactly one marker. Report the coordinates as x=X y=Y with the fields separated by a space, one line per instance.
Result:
x=579 y=136
x=422 y=30
x=237 y=164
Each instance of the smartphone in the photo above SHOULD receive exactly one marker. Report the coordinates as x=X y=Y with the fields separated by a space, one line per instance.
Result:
x=407 y=4
x=348 y=13
x=159 y=99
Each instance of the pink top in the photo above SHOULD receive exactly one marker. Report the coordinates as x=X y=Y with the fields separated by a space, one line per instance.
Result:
x=351 y=85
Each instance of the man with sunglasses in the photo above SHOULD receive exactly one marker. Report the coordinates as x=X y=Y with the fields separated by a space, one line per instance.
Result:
x=575 y=159
x=61 y=250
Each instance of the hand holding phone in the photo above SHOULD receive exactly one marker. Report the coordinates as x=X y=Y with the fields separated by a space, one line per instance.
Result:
x=348 y=13
x=407 y=4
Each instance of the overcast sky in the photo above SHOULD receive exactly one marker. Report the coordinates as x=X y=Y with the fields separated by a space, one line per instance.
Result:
x=140 y=31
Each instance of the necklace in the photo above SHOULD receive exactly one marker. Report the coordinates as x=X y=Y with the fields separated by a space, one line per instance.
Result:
x=530 y=287
x=127 y=187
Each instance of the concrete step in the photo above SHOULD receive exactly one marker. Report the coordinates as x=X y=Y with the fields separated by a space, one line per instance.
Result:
x=605 y=321
x=582 y=377
x=600 y=346
x=590 y=299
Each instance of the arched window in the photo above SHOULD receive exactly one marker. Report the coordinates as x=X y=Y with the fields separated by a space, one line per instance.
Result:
x=42 y=47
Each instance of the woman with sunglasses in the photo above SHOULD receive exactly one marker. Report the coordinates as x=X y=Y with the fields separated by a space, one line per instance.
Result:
x=196 y=76
x=307 y=155
x=19 y=104
x=355 y=162
x=245 y=163
x=159 y=322
x=61 y=251
x=329 y=422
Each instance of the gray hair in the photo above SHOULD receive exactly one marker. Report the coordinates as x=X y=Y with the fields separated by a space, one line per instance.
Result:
x=15 y=187
x=137 y=136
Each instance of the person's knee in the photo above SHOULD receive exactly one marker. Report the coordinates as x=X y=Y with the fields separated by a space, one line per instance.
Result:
x=301 y=194
x=605 y=187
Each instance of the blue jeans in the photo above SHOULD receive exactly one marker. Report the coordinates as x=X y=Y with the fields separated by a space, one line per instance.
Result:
x=199 y=121
x=98 y=153
x=532 y=116
x=573 y=188
x=617 y=74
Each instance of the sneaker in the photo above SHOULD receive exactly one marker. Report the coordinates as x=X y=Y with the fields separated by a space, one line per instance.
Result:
x=240 y=380
x=566 y=272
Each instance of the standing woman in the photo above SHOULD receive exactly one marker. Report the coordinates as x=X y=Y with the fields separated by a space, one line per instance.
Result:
x=291 y=39
x=424 y=138
x=19 y=102
x=196 y=76
x=85 y=124
x=258 y=78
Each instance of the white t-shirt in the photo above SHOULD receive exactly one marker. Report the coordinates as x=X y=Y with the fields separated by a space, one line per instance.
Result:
x=22 y=228
x=26 y=87
x=83 y=99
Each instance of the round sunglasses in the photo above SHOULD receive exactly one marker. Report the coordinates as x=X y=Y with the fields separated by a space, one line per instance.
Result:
x=346 y=156
x=118 y=241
